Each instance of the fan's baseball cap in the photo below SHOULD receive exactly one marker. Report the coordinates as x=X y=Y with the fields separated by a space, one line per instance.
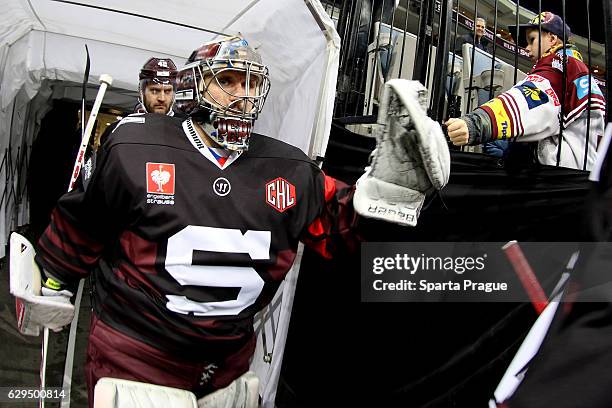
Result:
x=550 y=22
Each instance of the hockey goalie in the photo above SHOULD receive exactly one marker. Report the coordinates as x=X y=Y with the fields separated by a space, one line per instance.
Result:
x=190 y=225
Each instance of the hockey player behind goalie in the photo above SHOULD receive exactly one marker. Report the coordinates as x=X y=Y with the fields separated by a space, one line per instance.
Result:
x=190 y=226
x=157 y=86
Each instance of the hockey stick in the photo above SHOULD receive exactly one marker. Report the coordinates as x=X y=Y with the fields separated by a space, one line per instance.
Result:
x=105 y=81
x=530 y=346
x=43 y=362
x=526 y=276
x=84 y=91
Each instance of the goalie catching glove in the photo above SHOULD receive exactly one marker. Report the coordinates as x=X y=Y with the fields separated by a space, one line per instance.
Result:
x=39 y=304
x=411 y=157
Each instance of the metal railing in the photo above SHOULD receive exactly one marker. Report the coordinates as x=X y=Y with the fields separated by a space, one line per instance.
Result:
x=378 y=43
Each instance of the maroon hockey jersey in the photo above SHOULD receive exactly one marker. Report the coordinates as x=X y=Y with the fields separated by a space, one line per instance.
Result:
x=187 y=250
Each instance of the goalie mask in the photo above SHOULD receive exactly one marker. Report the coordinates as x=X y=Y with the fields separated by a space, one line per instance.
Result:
x=223 y=87
x=160 y=71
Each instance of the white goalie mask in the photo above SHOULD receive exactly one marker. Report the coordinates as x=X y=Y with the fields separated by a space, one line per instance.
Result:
x=224 y=87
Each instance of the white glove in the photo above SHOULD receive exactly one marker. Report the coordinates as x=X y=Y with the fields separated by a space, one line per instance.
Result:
x=37 y=306
x=411 y=157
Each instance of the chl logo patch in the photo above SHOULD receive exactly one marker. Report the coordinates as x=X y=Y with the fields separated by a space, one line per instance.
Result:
x=160 y=178
x=280 y=194
x=533 y=95
x=222 y=186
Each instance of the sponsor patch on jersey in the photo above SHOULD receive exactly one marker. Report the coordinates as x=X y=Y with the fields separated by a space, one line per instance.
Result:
x=582 y=87
x=533 y=95
x=160 y=183
x=280 y=194
x=502 y=118
x=553 y=96
x=570 y=53
x=535 y=78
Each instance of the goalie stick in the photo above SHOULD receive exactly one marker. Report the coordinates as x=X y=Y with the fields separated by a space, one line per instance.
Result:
x=105 y=81
x=526 y=276
x=43 y=362
x=530 y=346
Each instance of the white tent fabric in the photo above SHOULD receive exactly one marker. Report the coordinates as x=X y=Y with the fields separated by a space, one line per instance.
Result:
x=42 y=57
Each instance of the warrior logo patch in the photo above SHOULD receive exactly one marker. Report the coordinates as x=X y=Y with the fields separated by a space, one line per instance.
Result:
x=160 y=178
x=532 y=94
x=280 y=194
x=222 y=186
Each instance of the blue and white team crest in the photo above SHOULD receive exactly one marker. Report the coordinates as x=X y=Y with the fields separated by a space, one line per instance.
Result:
x=280 y=194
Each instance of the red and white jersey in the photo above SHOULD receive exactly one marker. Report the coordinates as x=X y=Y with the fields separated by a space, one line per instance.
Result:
x=531 y=109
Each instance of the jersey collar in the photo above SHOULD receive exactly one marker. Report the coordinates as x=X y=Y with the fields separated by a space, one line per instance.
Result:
x=198 y=143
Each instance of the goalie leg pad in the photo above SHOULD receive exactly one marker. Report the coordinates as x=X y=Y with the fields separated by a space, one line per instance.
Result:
x=117 y=393
x=243 y=392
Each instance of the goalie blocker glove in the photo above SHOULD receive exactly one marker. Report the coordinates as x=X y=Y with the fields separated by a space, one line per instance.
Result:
x=410 y=160
x=41 y=301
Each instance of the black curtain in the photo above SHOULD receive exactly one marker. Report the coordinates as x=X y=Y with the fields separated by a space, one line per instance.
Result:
x=52 y=159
